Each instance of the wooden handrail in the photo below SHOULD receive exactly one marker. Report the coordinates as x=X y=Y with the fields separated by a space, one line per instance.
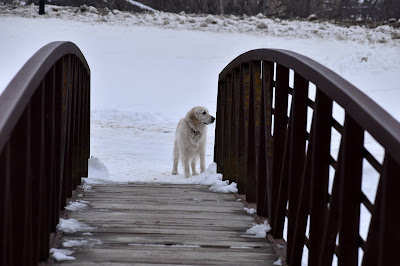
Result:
x=44 y=148
x=262 y=142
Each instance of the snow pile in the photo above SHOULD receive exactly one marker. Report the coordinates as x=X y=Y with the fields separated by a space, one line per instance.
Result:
x=250 y=211
x=72 y=225
x=224 y=187
x=258 y=231
x=214 y=180
x=76 y=205
x=61 y=254
x=253 y=25
x=97 y=169
x=86 y=187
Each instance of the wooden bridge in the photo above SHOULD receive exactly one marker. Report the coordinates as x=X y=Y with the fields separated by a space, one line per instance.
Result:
x=273 y=137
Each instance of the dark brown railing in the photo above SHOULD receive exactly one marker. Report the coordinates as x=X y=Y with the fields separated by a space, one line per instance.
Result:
x=44 y=148
x=284 y=167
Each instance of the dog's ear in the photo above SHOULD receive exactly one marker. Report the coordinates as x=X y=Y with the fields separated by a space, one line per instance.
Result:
x=192 y=115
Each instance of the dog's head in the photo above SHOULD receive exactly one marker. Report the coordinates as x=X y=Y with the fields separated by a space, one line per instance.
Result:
x=200 y=114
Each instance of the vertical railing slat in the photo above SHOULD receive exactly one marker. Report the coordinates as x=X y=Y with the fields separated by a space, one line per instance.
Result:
x=6 y=236
x=221 y=124
x=37 y=142
x=279 y=180
x=234 y=147
x=50 y=159
x=350 y=192
x=253 y=131
x=319 y=173
x=265 y=150
x=297 y=151
x=243 y=126
x=227 y=125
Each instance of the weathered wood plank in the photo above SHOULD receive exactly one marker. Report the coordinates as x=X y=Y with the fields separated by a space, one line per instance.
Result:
x=165 y=224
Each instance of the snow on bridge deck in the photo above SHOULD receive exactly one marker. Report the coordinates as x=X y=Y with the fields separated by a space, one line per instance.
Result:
x=163 y=224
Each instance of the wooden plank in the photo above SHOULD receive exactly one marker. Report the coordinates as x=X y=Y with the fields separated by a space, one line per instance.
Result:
x=174 y=255
x=165 y=224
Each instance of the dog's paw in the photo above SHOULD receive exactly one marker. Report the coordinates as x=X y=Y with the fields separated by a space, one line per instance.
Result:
x=195 y=173
x=174 y=172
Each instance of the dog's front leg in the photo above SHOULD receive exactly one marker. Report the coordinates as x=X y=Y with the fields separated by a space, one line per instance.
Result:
x=194 y=172
x=186 y=166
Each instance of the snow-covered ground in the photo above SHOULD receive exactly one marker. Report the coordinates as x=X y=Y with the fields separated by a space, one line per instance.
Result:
x=149 y=69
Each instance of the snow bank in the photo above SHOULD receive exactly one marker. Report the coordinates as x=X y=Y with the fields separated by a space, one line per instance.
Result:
x=72 y=225
x=250 y=25
x=258 y=231
x=61 y=254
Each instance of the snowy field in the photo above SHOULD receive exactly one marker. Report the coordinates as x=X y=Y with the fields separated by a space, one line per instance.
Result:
x=149 y=69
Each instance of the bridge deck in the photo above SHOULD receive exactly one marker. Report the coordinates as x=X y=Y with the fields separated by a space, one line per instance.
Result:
x=165 y=224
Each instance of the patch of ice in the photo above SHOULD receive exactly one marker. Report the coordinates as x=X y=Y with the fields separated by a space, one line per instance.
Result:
x=72 y=225
x=61 y=254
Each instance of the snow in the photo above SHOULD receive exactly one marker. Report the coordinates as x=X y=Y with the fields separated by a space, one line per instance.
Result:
x=258 y=230
x=61 y=254
x=278 y=262
x=74 y=243
x=147 y=8
x=165 y=245
x=149 y=69
x=72 y=226
x=250 y=211
x=76 y=205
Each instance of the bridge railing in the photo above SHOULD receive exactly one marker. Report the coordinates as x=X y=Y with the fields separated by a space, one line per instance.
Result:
x=44 y=148
x=276 y=141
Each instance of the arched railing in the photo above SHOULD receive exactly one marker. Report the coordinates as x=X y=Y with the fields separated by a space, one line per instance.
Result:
x=44 y=148
x=275 y=140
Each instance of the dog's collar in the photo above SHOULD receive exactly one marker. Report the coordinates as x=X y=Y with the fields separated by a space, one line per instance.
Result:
x=195 y=132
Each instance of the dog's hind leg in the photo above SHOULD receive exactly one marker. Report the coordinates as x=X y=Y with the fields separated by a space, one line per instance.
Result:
x=202 y=161
x=176 y=159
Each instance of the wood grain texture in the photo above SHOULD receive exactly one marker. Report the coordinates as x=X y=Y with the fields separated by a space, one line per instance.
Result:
x=138 y=224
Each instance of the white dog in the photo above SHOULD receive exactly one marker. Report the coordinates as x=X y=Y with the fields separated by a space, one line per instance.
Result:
x=190 y=140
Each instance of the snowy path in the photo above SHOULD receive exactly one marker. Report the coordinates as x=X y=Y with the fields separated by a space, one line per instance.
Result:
x=168 y=224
